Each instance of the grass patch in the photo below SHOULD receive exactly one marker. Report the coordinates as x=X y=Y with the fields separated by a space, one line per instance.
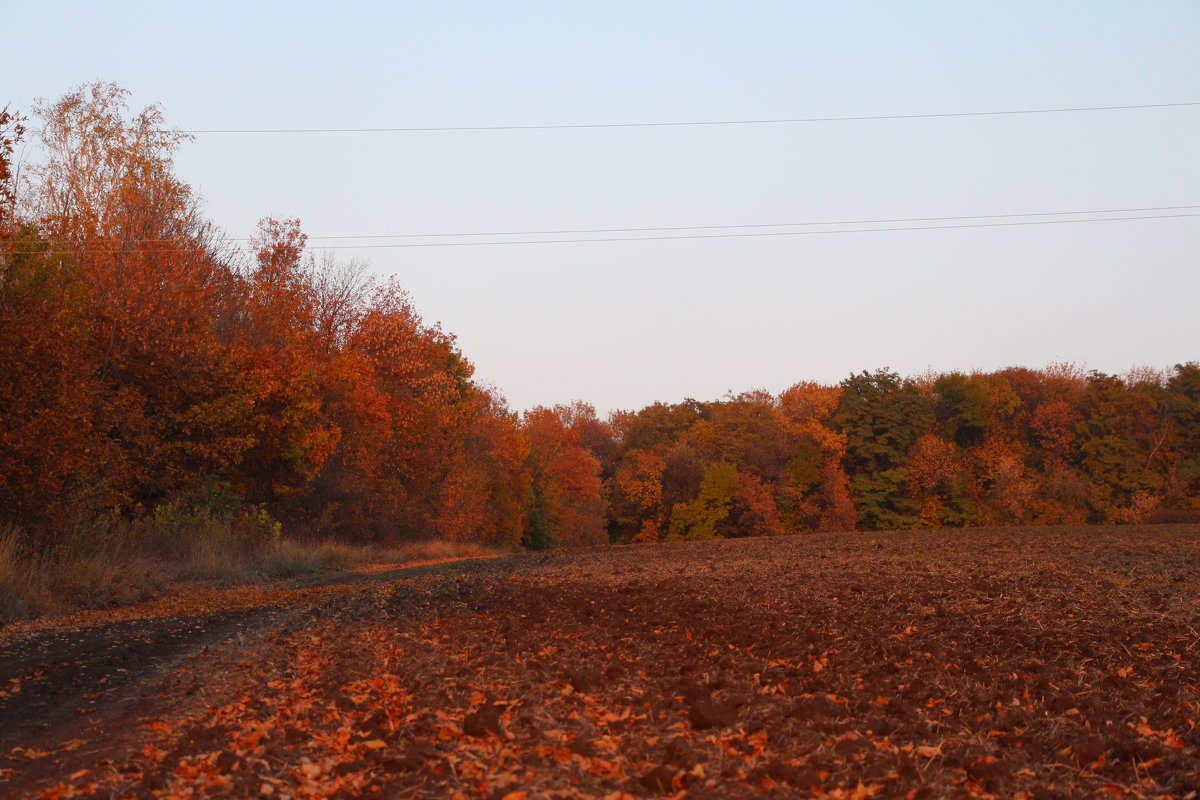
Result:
x=22 y=590
x=106 y=565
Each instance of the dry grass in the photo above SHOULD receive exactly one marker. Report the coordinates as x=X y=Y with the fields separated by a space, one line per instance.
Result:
x=107 y=571
x=22 y=591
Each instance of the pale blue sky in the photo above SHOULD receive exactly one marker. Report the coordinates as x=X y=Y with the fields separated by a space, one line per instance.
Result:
x=624 y=324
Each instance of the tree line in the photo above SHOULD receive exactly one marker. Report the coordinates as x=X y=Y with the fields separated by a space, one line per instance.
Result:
x=146 y=363
x=880 y=452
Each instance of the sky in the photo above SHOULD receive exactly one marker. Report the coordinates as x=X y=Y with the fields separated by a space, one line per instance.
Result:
x=624 y=324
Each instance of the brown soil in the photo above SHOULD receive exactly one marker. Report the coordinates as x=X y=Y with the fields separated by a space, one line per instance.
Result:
x=1036 y=663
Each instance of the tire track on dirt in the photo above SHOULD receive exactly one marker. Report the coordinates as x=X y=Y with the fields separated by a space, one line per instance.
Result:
x=74 y=695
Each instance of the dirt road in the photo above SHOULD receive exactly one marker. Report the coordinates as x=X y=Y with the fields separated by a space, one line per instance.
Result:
x=79 y=690
x=986 y=663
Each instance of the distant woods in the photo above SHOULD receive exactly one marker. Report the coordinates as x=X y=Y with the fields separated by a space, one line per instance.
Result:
x=148 y=363
x=878 y=452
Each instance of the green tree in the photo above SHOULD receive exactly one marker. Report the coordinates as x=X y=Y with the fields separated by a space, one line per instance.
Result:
x=881 y=416
x=1183 y=404
x=881 y=500
x=1118 y=427
x=962 y=408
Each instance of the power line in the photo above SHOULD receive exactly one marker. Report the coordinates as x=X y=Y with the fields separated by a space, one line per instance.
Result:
x=698 y=236
x=568 y=231
x=759 y=234
x=702 y=123
x=750 y=225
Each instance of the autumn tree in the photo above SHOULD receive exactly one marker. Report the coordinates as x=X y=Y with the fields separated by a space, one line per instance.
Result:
x=749 y=430
x=636 y=510
x=108 y=181
x=753 y=510
x=12 y=131
x=426 y=398
x=934 y=481
x=684 y=466
x=566 y=502
x=54 y=452
x=291 y=381
x=1047 y=425
x=882 y=417
x=106 y=197
x=814 y=492
x=656 y=425
x=487 y=484
x=292 y=431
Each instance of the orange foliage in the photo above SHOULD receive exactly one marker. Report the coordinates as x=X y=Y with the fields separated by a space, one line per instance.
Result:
x=567 y=506
x=141 y=359
x=164 y=364
x=637 y=495
x=1053 y=426
x=933 y=471
x=754 y=509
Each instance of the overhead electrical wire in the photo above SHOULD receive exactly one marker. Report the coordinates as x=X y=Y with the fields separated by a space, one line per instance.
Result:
x=714 y=227
x=684 y=236
x=691 y=123
x=567 y=231
x=692 y=228
x=748 y=235
x=751 y=225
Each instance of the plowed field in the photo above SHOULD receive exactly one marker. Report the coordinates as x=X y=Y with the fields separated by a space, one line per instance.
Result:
x=1038 y=663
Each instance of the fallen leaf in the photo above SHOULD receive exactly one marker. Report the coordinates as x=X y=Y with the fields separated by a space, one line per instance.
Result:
x=863 y=791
